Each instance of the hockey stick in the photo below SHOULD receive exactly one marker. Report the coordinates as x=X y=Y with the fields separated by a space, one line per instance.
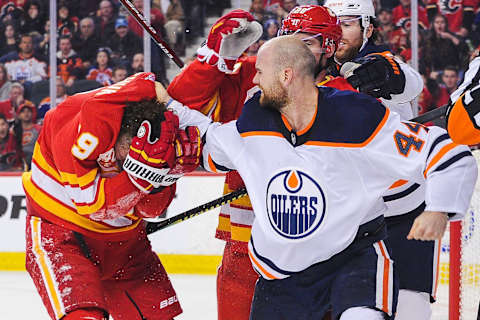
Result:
x=431 y=115
x=155 y=36
x=229 y=197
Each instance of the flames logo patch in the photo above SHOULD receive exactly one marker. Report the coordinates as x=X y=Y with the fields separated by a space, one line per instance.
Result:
x=295 y=204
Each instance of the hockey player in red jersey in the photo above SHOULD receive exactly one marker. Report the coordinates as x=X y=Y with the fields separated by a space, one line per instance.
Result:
x=220 y=93
x=87 y=250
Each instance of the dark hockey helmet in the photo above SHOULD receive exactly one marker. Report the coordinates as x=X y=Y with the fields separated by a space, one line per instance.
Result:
x=315 y=20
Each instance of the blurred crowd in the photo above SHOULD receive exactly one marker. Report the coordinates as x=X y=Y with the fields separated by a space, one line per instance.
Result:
x=99 y=43
x=449 y=36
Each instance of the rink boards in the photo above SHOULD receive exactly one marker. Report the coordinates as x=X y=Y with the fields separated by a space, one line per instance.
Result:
x=188 y=247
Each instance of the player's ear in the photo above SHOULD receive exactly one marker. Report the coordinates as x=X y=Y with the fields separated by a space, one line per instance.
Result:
x=286 y=76
x=369 y=30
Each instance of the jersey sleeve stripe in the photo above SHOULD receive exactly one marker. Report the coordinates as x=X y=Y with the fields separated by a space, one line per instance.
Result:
x=438 y=140
x=398 y=183
x=402 y=194
x=439 y=156
x=211 y=164
x=452 y=160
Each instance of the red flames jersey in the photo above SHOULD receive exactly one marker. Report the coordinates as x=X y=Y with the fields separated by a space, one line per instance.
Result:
x=402 y=17
x=75 y=180
x=453 y=10
x=204 y=88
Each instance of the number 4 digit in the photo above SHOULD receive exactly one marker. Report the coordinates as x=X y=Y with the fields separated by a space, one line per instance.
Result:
x=85 y=145
x=406 y=143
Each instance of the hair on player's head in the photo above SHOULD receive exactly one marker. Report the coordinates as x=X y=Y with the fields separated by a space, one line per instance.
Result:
x=136 y=112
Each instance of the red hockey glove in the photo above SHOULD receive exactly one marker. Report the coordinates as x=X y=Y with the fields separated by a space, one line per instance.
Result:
x=377 y=74
x=234 y=181
x=188 y=149
x=148 y=162
x=229 y=37
x=154 y=205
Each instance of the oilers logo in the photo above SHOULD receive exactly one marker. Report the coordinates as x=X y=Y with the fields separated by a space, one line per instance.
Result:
x=295 y=204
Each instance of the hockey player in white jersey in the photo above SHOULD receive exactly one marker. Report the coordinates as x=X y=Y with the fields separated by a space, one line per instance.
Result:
x=416 y=261
x=316 y=163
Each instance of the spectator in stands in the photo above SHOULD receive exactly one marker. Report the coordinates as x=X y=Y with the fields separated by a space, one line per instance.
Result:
x=8 y=41
x=11 y=155
x=10 y=13
x=124 y=43
x=157 y=20
x=137 y=63
x=67 y=23
x=270 y=29
x=450 y=79
x=25 y=66
x=105 y=23
x=16 y=98
x=69 y=64
x=257 y=10
x=30 y=130
x=86 y=42
x=46 y=105
x=45 y=42
x=285 y=8
x=253 y=49
x=101 y=70
x=385 y=26
x=460 y=14
x=401 y=16
x=119 y=73
x=5 y=84
x=442 y=48
x=34 y=19
x=174 y=26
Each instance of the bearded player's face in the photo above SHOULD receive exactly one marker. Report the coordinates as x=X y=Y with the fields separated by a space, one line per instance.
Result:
x=274 y=95
x=352 y=39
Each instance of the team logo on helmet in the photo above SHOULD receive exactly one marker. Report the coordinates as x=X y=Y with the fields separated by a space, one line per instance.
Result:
x=295 y=204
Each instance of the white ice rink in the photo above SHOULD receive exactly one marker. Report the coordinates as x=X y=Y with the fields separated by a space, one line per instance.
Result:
x=20 y=301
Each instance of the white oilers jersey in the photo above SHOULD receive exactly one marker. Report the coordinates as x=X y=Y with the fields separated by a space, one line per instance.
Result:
x=312 y=190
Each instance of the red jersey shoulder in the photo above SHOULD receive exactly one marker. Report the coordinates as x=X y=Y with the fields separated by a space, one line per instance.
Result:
x=337 y=83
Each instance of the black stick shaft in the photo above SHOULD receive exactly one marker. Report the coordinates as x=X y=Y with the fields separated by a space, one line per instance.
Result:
x=153 y=33
x=229 y=197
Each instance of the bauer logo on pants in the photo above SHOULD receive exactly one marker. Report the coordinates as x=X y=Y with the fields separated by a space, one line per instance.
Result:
x=295 y=204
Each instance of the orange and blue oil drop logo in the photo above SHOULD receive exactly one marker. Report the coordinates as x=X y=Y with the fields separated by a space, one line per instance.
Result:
x=295 y=204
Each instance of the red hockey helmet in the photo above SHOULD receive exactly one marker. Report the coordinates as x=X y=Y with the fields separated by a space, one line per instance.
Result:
x=315 y=20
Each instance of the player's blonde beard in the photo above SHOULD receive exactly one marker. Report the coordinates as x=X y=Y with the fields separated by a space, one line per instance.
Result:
x=275 y=97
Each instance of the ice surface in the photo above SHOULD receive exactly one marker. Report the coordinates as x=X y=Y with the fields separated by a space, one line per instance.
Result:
x=19 y=299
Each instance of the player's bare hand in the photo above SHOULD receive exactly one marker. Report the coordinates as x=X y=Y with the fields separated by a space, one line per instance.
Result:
x=430 y=225
x=162 y=94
